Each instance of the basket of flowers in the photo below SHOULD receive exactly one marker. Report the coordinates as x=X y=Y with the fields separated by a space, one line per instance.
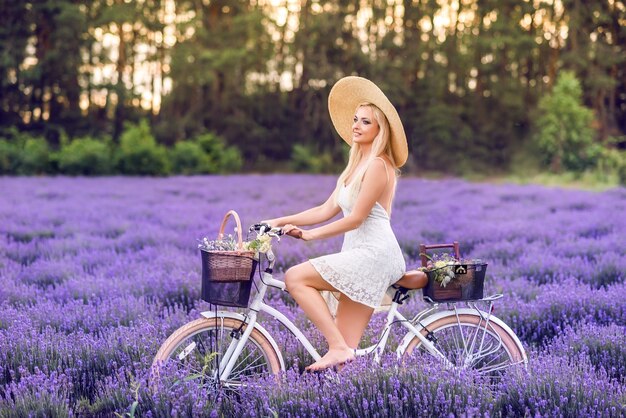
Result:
x=228 y=265
x=454 y=280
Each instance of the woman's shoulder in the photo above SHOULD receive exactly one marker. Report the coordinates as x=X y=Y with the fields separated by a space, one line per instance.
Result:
x=377 y=165
x=378 y=168
x=383 y=162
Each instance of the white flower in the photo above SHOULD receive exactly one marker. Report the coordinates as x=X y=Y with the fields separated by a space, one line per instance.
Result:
x=446 y=279
x=265 y=247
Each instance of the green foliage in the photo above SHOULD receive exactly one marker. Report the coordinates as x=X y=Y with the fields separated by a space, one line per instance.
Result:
x=136 y=154
x=621 y=172
x=85 y=156
x=34 y=156
x=206 y=154
x=9 y=157
x=467 y=91
x=188 y=157
x=222 y=159
x=443 y=142
x=139 y=154
x=564 y=133
x=305 y=159
x=612 y=160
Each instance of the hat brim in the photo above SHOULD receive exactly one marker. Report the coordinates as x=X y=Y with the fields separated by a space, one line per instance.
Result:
x=347 y=94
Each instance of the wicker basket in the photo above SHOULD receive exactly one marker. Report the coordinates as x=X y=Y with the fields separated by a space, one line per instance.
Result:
x=467 y=284
x=227 y=275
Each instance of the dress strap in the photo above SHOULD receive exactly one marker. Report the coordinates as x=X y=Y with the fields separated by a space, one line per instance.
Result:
x=385 y=163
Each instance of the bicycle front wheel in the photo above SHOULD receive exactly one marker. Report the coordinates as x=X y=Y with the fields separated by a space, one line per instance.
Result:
x=468 y=341
x=198 y=349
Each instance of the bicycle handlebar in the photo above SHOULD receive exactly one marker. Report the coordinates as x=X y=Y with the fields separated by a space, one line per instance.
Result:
x=263 y=228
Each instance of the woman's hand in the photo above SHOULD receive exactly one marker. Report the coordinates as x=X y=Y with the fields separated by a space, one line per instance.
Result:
x=296 y=232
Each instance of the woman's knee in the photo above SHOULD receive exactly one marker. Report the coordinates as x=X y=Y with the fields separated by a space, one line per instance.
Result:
x=293 y=277
x=304 y=275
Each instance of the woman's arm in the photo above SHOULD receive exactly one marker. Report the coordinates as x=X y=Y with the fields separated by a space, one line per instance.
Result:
x=316 y=215
x=372 y=188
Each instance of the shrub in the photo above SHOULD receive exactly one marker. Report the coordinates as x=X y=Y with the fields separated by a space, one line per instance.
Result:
x=86 y=156
x=188 y=157
x=139 y=154
x=221 y=159
x=35 y=156
x=613 y=161
x=305 y=159
x=9 y=157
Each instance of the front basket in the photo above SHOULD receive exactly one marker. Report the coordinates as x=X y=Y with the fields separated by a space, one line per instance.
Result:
x=227 y=277
x=467 y=284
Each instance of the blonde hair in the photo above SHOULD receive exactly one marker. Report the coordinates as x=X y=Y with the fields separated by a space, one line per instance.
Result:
x=381 y=145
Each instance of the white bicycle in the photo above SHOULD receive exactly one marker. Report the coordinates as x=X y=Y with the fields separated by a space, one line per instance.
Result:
x=222 y=349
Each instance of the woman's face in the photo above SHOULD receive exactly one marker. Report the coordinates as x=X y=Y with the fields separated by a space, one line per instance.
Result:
x=365 y=127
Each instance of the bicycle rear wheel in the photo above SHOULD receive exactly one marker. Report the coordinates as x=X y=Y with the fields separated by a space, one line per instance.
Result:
x=468 y=341
x=196 y=350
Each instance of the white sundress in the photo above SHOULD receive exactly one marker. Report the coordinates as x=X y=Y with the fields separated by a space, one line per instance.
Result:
x=370 y=259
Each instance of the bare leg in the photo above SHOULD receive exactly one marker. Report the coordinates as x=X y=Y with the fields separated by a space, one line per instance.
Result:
x=352 y=319
x=304 y=283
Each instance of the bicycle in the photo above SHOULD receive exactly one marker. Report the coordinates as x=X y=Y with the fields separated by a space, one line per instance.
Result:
x=225 y=348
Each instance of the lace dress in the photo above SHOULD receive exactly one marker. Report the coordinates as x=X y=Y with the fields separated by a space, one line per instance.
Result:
x=370 y=259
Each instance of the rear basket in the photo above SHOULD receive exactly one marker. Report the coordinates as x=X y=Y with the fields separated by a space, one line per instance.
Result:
x=467 y=284
x=227 y=277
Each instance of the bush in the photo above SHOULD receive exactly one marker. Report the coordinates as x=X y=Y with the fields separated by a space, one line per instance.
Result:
x=621 y=172
x=304 y=159
x=35 y=157
x=221 y=159
x=139 y=154
x=85 y=156
x=9 y=157
x=613 y=161
x=188 y=157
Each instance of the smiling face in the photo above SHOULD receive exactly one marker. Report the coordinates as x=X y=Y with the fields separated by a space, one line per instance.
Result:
x=365 y=127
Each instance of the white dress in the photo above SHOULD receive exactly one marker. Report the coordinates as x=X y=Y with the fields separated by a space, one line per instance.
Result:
x=370 y=259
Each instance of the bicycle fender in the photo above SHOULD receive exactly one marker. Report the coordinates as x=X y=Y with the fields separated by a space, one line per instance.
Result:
x=235 y=315
x=463 y=311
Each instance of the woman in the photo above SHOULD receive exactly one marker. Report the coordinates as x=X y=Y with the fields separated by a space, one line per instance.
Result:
x=370 y=259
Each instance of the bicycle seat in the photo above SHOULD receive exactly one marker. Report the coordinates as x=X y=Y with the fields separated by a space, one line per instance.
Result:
x=413 y=279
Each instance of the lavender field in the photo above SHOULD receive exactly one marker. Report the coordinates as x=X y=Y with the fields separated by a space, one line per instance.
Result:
x=95 y=273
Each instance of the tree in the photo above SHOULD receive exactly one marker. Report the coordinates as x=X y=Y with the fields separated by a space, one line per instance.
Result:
x=563 y=127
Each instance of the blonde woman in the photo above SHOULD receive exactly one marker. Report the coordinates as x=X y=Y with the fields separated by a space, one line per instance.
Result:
x=370 y=259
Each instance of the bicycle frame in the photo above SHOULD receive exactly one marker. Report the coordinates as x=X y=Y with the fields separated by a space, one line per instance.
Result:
x=258 y=305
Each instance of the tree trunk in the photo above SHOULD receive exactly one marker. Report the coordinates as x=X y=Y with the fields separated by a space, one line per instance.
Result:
x=120 y=88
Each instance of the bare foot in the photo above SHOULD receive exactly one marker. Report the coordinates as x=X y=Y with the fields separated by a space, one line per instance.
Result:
x=334 y=357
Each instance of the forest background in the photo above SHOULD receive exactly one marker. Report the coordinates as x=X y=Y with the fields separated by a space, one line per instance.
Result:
x=203 y=86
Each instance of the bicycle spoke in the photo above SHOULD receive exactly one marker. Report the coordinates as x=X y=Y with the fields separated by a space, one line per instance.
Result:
x=476 y=345
x=249 y=370
x=206 y=346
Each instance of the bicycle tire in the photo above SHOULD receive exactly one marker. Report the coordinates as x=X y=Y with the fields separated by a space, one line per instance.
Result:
x=193 y=351
x=449 y=336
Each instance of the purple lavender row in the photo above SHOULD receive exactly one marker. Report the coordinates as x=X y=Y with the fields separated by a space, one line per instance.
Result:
x=96 y=272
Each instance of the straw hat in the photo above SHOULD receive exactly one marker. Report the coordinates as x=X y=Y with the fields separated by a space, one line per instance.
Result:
x=343 y=100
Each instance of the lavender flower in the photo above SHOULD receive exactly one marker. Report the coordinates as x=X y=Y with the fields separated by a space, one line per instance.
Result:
x=96 y=273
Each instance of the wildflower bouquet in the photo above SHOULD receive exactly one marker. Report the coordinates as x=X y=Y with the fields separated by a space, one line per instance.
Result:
x=261 y=244
x=445 y=269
